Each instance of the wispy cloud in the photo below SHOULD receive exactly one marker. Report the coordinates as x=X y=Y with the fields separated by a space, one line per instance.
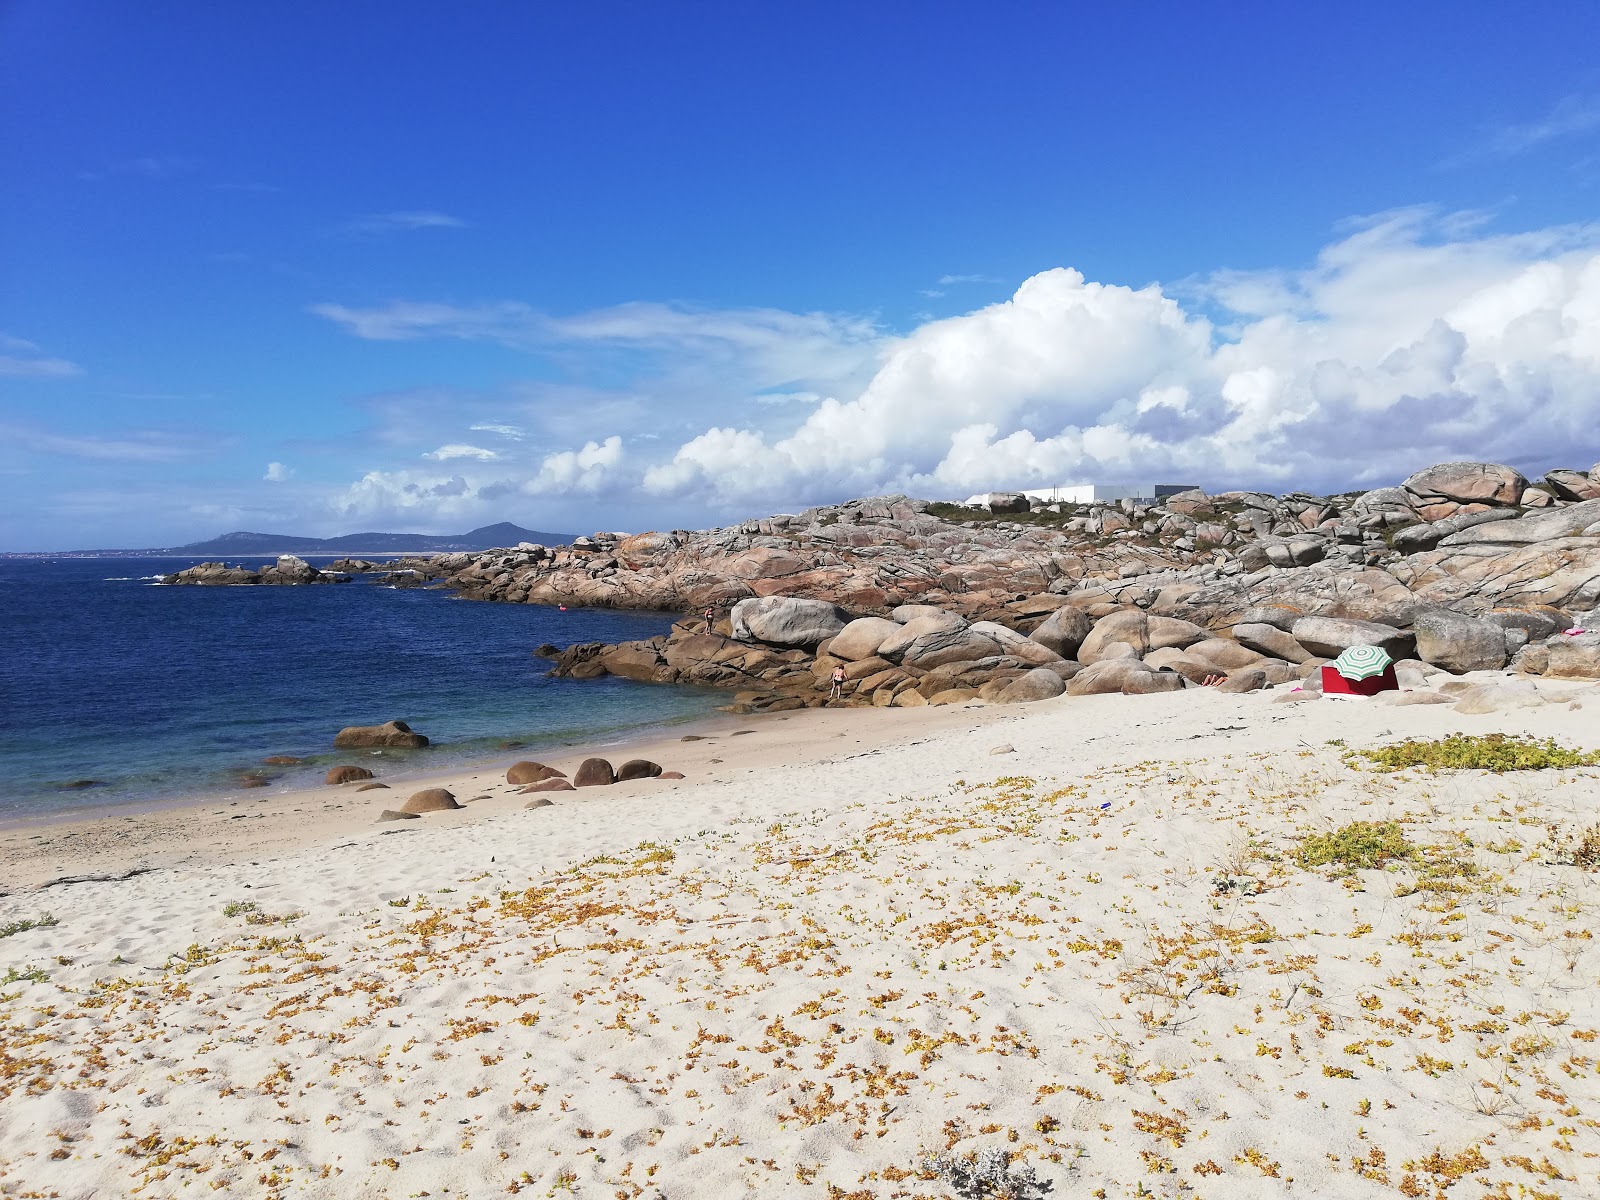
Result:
x=146 y=166
x=1572 y=116
x=138 y=446
x=947 y=280
x=382 y=224
x=507 y=431
x=22 y=359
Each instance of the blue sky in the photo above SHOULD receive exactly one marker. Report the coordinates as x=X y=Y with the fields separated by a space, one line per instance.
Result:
x=321 y=268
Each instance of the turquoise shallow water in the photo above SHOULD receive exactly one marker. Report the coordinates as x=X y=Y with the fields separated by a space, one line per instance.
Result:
x=162 y=693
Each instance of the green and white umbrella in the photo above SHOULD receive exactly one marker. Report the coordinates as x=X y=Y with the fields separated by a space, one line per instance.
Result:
x=1362 y=662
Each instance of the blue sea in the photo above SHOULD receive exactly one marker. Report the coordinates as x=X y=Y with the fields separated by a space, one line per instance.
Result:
x=162 y=693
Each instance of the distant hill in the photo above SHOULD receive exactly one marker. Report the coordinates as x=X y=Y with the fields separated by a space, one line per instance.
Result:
x=265 y=545
x=486 y=538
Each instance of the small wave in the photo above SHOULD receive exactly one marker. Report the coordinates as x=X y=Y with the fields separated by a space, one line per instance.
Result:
x=130 y=578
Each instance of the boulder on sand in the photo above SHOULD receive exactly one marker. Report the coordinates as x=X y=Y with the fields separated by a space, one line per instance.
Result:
x=638 y=768
x=390 y=734
x=1063 y=630
x=1108 y=676
x=373 y=787
x=346 y=774
x=1271 y=641
x=553 y=784
x=431 y=800
x=1130 y=627
x=1329 y=637
x=1038 y=684
x=1459 y=643
x=390 y=814
x=789 y=621
x=861 y=638
x=531 y=772
x=594 y=772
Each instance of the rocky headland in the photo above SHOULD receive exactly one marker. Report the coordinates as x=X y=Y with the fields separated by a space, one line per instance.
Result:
x=1461 y=567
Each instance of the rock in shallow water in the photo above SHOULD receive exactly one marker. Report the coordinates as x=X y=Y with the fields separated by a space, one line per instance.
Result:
x=346 y=774
x=391 y=734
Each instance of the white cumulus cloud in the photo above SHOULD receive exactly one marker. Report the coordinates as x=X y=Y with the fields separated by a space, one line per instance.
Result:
x=461 y=450
x=585 y=470
x=278 y=473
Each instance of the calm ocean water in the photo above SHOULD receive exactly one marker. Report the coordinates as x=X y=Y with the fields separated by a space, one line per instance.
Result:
x=161 y=693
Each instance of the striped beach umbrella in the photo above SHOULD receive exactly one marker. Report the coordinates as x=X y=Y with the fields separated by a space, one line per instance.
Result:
x=1362 y=662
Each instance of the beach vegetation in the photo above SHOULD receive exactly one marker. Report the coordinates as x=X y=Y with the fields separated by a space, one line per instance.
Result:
x=1582 y=850
x=1360 y=845
x=29 y=975
x=1497 y=752
x=238 y=908
x=26 y=923
x=985 y=1174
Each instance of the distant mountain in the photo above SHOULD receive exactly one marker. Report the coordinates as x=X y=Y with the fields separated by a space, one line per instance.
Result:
x=265 y=545
x=486 y=538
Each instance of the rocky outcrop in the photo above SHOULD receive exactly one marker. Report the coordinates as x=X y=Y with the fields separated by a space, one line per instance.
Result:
x=391 y=734
x=289 y=569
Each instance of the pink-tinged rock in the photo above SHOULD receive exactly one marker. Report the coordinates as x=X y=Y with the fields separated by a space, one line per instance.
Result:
x=1469 y=483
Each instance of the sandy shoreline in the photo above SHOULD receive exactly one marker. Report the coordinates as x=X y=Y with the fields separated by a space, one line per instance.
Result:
x=1095 y=953
x=229 y=826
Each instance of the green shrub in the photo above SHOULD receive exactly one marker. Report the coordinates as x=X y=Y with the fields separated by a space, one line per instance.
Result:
x=26 y=923
x=234 y=908
x=1362 y=844
x=1497 y=752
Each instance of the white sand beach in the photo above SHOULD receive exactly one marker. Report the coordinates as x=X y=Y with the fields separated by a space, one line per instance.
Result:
x=860 y=938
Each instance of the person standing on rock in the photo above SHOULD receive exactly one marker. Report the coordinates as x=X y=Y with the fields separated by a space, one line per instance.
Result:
x=711 y=617
x=837 y=691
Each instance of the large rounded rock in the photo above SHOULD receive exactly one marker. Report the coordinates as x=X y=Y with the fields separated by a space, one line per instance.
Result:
x=893 y=646
x=1151 y=682
x=1575 y=657
x=1468 y=483
x=1459 y=643
x=549 y=785
x=1017 y=645
x=786 y=620
x=346 y=774
x=638 y=768
x=594 y=772
x=957 y=645
x=906 y=613
x=431 y=800
x=1329 y=637
x=1037 y=684
x=1131 y=627
x=1572 y=485
x=1222 y=654
x=861 y=638
x=390 y=734
x=531 y=772
x=1163 y=632
x=1271 y=641
x=1063 y=630
x=1101 y=678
